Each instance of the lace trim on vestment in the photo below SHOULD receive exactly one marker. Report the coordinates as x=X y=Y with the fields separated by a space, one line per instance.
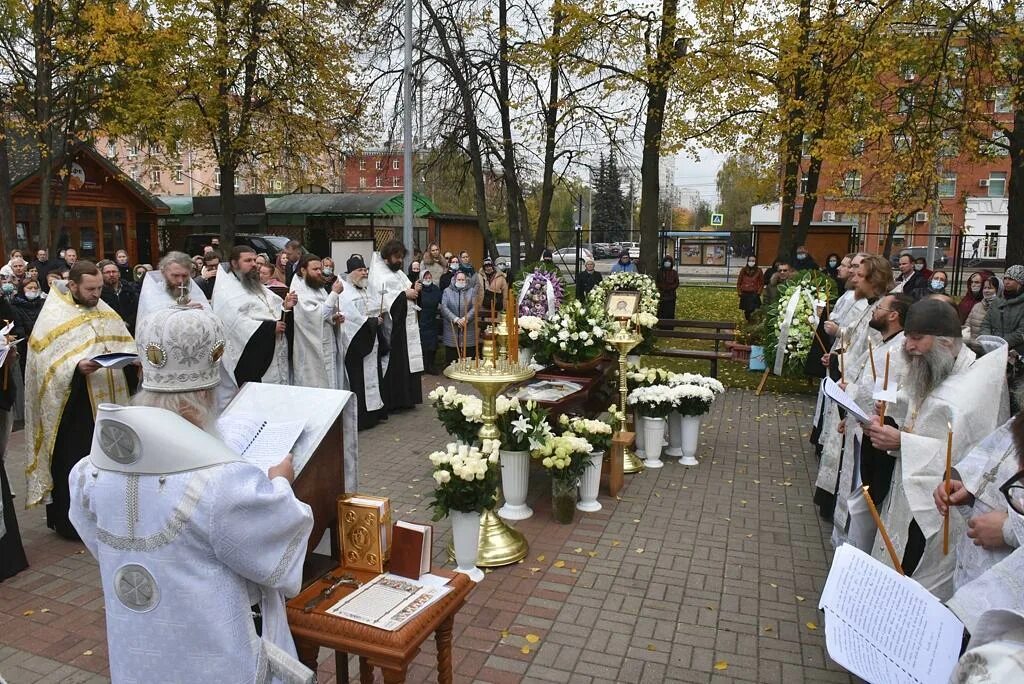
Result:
x=286 y=559
x=182 y=514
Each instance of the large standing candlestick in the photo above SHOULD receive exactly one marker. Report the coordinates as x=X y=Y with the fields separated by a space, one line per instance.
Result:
x=624 y=340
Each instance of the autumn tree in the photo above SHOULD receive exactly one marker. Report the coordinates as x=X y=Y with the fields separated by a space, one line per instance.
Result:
x=743 y=182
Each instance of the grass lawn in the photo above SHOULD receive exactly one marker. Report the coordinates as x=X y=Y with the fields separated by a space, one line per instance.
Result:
x=697 y=302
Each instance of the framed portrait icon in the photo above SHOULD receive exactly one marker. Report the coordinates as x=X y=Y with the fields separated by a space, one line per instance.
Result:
x=622 y=304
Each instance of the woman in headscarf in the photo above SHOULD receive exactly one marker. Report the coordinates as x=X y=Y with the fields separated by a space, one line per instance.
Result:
x=458 y=311
x=429 y=301
x=667 y=282
x=749 y=284
x=973 y=294
x=990 y=289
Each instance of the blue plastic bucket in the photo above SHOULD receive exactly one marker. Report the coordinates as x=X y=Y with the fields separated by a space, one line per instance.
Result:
x=756 y=358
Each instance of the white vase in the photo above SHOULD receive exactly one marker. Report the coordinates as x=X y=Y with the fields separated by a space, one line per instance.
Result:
x=590 y=481
x=654 y=430
x=675 y=435
x=638 y=431
x=525 y=356
x=466 y=538
x=515 y=477
x=689 y=438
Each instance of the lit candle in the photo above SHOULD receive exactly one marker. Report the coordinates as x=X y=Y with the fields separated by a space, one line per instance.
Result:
x=949 y=476
x=881 y=528
x=871 y=355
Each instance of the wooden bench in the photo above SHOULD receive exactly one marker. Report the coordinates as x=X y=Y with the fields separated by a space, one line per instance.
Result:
x=680 y=329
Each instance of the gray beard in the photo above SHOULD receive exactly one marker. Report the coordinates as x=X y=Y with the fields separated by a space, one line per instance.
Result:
x=927 y=371
x=250 y=281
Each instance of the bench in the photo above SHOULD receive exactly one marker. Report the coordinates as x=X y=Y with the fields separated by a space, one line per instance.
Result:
x=681 y=329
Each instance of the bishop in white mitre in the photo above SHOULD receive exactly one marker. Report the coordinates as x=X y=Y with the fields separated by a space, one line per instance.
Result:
x=317 y=350
x=404 y=362
x=359 y=334
x=171 y=284
x=257 y=350
x=187 y=535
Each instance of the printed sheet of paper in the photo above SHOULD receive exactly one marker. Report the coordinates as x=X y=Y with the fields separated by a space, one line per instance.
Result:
x=548 y=390
x=834 y=392
x=889 y=394
x=886 y=628
x=388 y=601
x=115 y=359
x=262 y=443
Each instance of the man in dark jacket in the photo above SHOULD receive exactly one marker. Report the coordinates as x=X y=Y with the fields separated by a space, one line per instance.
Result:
x=121 y=296
x=587 y=281
x=667 y=281
x=804 y=260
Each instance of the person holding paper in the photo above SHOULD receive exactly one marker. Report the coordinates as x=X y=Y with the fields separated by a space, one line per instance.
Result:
x=187 y=535
x=403 y=365
x=252 y=316
x=360 y=340
x=171 y=284
x=948 y=395
x=862 y=463
x=63 y=386
x=317 y=348
x=870 y=280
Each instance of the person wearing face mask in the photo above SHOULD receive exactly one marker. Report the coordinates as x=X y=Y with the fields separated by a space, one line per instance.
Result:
x=328 y=272
x=453 y=268
x=936 y=285
x=624 y=264
x=8 y=289
x=990 y=289
x=588 y=280
x=749 y=284
x=493 y=285
x=1005 y=319
x=458 y=309
x=414 y=271
x=667 y=281
x=973 y=294
x=804 y=260
x=430 y=300
x=831 y=268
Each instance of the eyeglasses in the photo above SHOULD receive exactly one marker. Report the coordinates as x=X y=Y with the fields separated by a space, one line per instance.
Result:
x=1013 y=490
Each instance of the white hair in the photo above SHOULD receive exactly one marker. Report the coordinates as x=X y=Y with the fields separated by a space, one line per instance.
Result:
x=195 y=406
x=179 y=258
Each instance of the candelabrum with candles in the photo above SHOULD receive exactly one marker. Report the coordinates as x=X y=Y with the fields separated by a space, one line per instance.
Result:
x=490 y=376
x=625 y=340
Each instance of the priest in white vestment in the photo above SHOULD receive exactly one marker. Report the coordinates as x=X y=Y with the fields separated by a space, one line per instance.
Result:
x=187 y=535
x=252 y=315
x=945 y=386
x=359 y=335
x=170 y=285
x=403 y=365
x=317 y=350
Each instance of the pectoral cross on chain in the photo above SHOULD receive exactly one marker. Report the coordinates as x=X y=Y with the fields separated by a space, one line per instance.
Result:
x=183 y=298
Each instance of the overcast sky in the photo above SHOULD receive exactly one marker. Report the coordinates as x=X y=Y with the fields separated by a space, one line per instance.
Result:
x=699 y=176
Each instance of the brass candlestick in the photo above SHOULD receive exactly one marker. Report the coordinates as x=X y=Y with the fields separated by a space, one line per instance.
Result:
x=625 y=340
x=499 y=543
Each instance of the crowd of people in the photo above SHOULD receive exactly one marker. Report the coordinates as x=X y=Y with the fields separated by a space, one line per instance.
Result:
x=938 y=380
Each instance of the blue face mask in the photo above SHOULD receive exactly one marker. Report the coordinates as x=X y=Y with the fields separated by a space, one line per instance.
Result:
x=8 y=288
x=454 y=267
x=937 y=284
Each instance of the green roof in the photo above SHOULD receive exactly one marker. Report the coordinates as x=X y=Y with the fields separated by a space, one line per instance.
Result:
x=351 y=203
x=179 y=205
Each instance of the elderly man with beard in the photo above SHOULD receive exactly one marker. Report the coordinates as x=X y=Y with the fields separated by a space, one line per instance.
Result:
x=187 y=534
x=360 y=337
x=253 y=321
x=170 y=285
x=317 y=352
x=946 y=390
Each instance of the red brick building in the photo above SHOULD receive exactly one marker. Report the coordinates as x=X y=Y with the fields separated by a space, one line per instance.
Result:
x=373 y=171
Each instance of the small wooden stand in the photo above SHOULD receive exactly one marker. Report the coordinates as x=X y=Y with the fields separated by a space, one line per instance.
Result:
x=612 y=467
x=764 y=379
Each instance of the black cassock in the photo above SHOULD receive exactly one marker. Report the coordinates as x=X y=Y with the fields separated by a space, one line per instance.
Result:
x=257 y=355
x=400 y=389
x=361 y=345
x=12 y=554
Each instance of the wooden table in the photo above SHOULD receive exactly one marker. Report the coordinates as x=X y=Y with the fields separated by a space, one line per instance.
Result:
x=593 y=396
x=393 y=652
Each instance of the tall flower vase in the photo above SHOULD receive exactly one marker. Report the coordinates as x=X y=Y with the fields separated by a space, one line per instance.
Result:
x=654 y=430
x=563 y=500
x=589 y=482
x=638 y=430
x=690 y=434
x=675 y=435
x=515 y=476
x=466 y=537
x=525 y=356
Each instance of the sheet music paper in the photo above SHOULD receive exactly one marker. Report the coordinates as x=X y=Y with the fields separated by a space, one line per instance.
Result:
x=260 y=442
x=834 y=392
x=886 y=628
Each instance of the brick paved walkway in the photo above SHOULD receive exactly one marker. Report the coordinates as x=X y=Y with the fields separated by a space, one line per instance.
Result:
x=708 y=574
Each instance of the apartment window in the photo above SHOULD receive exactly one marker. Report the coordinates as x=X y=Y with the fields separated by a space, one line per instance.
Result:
x=133 y=151
x=858 y=147
x=396 y=182
x=999 y=147
x=362 y=182
x=276 y=185
x=1001 y=101
x=851 y=183
x=379 y=164
x=805 y=146
x=907 y=71
x=179 y=175
x=901 y=142
x=154 y=149
x=380 y=182
x=395 y=164
x=154 y=175
x=955 y=98
x=362 y=164
x=899 y=184
x=134 y=174
x=958 y=59
x=906 y=101
x=997 y=184
x=803 y=184
x=950 y=145
x=947 y=185
x=111 y=150
x=216 y=178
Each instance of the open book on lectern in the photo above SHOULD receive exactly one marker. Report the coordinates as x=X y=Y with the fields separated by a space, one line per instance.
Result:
x=264 y=422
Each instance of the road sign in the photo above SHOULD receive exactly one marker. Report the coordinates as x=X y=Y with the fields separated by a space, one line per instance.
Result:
x=716 y=219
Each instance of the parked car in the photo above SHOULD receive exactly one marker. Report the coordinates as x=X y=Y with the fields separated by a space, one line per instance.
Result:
x=568 y=255
x=504 y=261
x=941 y=259
x=268 y=244
x=633 y=247
x=602 y=250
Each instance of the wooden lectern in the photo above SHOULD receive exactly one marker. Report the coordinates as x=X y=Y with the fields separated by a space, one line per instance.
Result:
x=319 y=456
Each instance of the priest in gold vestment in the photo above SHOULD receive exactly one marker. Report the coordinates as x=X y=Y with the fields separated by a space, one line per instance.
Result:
x=63 y=386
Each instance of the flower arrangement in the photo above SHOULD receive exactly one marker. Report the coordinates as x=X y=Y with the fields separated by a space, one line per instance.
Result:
x=572 y=334
x=617 y=417
x=467 y=478
x=808 y=287
x=697 y=379
x=644 y=319
x=656 y=401
x=565 y=456
x=643 y=376
x=649 y=296
x=523 y=426
x=529 y=330
x=692 y=400
x=460 y=414
x=597 y=432
x=536 y=302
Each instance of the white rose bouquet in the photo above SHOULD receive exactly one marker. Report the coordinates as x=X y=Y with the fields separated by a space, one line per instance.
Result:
x=597 y=432
x=460 y=414
x=656 y=401
x=565 y=456
x=571 y=334
x=644 y=376
x=467 y=478
x=697 y=379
